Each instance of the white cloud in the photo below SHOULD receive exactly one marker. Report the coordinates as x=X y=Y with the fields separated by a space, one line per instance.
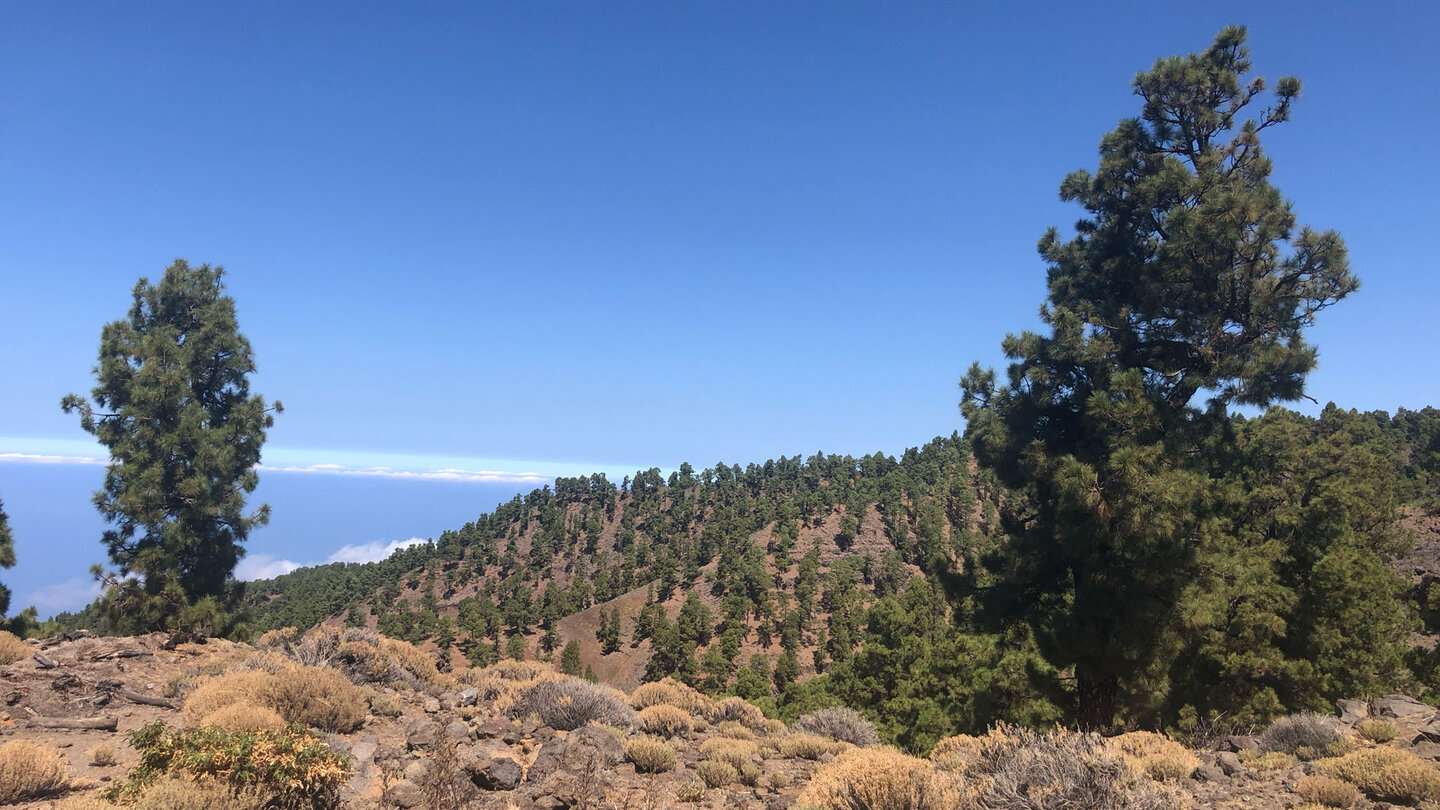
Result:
x=72 y=594
x=371 y=552
x=262 y=566
x=43 y=458
x=447 y=474
x=266 y=566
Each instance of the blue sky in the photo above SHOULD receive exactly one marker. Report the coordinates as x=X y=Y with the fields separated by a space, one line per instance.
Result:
x=520 y=240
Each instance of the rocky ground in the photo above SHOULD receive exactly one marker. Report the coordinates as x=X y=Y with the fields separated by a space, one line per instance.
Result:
x=448 y=732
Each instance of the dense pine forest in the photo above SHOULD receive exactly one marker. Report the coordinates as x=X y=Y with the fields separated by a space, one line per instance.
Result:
x=887 y=584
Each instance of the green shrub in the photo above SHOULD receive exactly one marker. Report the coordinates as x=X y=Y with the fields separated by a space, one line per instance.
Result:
x=292 y=768
x=385 y=706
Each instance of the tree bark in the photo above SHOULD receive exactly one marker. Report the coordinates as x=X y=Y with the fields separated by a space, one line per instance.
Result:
x=1097 y=695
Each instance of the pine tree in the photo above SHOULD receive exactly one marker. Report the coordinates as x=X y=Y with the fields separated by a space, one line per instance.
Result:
x=173 y=406
x=7 y=556
x=570 y=658
x=1188 y=277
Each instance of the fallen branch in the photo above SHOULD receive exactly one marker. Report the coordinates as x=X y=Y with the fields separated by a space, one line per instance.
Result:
x=97 y=723
x=136 y=697
x=44 y=661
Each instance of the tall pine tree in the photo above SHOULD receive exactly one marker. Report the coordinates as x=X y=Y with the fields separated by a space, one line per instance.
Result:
x=173 y=405
x=1187 y=279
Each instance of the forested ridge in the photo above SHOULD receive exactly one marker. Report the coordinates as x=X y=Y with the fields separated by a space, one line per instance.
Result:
x=882 y=582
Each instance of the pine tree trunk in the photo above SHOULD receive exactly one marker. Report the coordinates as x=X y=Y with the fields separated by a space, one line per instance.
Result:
x=1097 y=694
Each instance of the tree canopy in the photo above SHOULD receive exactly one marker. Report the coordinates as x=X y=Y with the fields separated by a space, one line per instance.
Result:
x=172 y=404
x=1187 y=278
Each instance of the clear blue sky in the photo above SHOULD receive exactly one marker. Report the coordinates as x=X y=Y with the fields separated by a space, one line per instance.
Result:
x=530 y=238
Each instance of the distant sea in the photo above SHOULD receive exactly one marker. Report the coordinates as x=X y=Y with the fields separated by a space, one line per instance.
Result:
x=57 y=530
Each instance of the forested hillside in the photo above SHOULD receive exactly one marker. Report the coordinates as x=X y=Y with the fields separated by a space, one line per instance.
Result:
x=892 y=580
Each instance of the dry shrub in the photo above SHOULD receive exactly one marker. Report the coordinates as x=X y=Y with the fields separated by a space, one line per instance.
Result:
x=882 y=779
x=102 y=755
x=1376 y=730
x=176 y=684
x=689 y=790
x=716 y=774
x=362 y=655
x=839 y=723
x=412 y=661
x=1387 y=774
x=1312 y=731
x=507 y=670
x=749 y=773
x=12 y=648
x=197 y=794
x=1327 y=791
x=319 y=697
x=727 y=749
x=730 y=728
x=956 y=753
x=650 y=754
x=670 y=692
x=385 y=706
x=569 y=703
x=28 y=771
x=86 y=802
x=1268 y=760
x=244 y=717
x=1160 y=758
x=739 y=710
x=808 y=746
x=665 y=720
x=1026 y=770
x=214 y=694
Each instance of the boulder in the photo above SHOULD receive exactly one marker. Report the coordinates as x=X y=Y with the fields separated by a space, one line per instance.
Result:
x=1352 y=711
x=432 y=705
x=422 y=734
x=405 y=794
x=1400 y=707
x=575 y=750
x=495 y=773
x=1228 y=763
x=468 y=697
x=457 y=731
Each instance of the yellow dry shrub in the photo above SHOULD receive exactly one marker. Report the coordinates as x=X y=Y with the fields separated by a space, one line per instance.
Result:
x=881 y=778
x=196 y=794
x=728 y=749
x=1327 y=791
x=689 y=790
x=770 y=725
x=86 y=802
x=1387 y=774
x=670 y=692
x=1376 y=729
x=244 y=717
x=730 y=728
x=956 y=753
x=1160 y=758
x=102 y=755
x=808 y=746
x=412 y=659
x=665 y=720
x=716 y=774
x=12 y=649
x=650 y=754
x=213 y=694
x=509 y=670
x=319 y=697
x=1268 y=760
x=29 y=771
x=739 y=710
